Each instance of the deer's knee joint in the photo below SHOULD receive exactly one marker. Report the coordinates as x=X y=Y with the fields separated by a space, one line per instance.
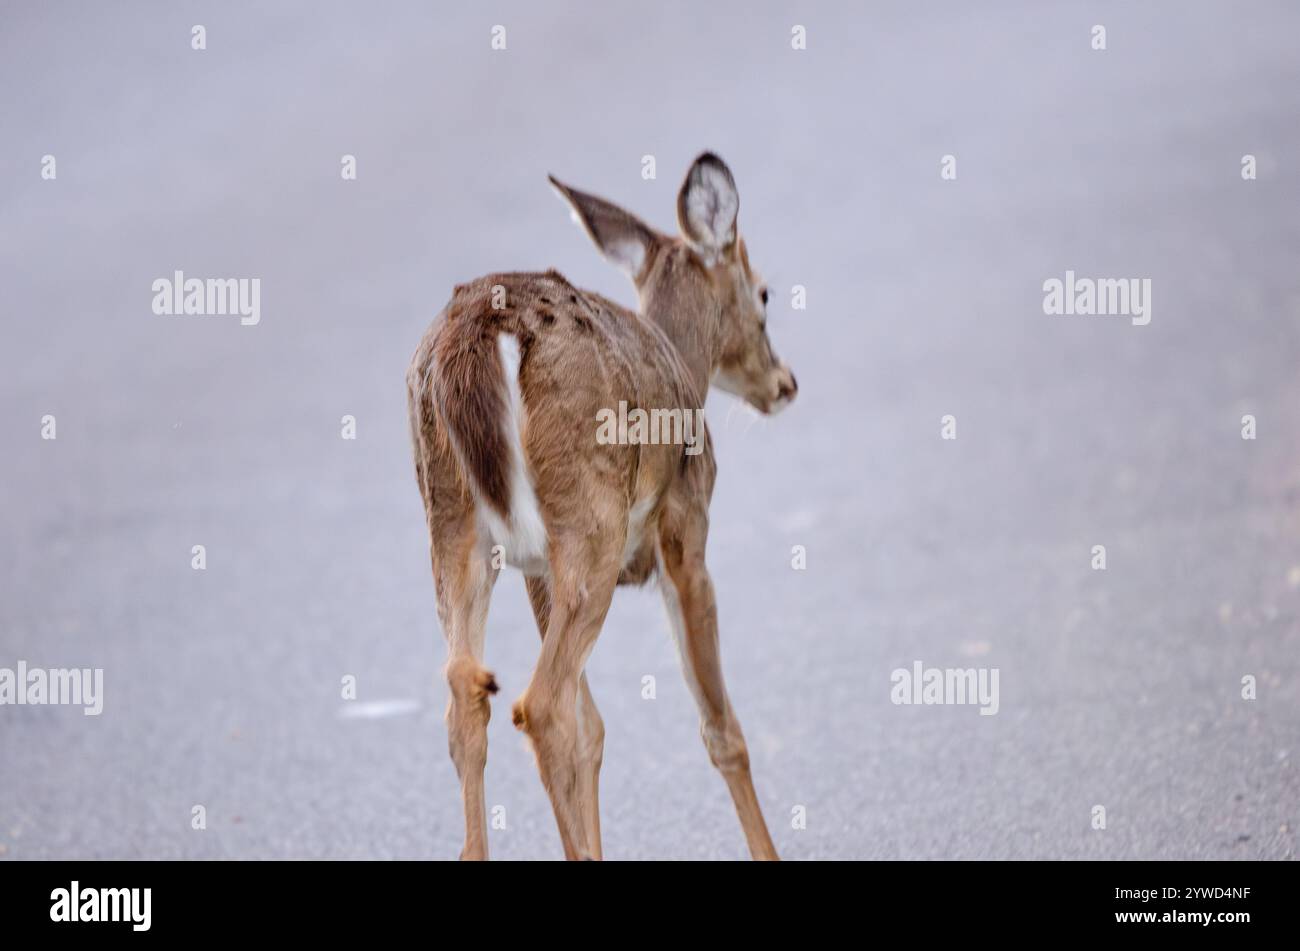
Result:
x=727 y=749
x=532 y=714
x=469 y=681
x=547 y=723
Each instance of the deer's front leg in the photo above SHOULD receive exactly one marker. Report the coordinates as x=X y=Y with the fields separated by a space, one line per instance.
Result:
x=688 y=595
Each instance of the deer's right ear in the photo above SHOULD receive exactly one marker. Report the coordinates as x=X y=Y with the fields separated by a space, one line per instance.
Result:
x=620 y=235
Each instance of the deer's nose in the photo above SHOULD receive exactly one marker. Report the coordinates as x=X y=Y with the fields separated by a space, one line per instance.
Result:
x=787 y=389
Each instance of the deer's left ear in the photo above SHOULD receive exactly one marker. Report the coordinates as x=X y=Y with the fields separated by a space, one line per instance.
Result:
x=620 y=235
x=707 y=206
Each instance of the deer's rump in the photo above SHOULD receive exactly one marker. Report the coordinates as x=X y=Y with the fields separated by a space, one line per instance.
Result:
x=517 y=372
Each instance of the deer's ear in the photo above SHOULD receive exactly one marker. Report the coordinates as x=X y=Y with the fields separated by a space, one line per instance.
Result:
x=620 y=235
x=707 y=206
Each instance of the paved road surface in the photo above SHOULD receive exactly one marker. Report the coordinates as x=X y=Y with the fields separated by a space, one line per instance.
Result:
x=1119 y=688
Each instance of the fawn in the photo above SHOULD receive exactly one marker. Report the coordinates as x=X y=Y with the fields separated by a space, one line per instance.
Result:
x=504 y=391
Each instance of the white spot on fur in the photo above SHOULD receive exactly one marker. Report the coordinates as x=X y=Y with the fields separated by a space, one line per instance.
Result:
x=636 y=517
x=524 y=537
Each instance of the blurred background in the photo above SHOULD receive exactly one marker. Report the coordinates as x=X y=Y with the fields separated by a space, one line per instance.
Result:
x=222 y=687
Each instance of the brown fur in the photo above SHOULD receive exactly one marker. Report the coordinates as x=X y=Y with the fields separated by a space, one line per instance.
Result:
x=699 y=320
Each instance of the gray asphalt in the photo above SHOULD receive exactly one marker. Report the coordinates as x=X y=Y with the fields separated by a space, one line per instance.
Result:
x=1119 y=688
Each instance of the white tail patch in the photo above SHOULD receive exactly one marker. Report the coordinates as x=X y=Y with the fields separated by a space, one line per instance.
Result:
x=523 y=536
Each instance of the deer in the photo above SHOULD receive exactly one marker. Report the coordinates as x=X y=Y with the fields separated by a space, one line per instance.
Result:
x=504 y=391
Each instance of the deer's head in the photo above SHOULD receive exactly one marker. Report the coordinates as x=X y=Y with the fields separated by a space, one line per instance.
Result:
x=699 y=286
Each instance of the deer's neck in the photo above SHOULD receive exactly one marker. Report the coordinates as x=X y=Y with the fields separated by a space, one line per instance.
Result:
x=676 y=298
x=692 y=336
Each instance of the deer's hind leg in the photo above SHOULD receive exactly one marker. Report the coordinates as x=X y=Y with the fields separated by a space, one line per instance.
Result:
x=591 y=728
x=584 y=571
x=464 y=580
x=465 y=584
